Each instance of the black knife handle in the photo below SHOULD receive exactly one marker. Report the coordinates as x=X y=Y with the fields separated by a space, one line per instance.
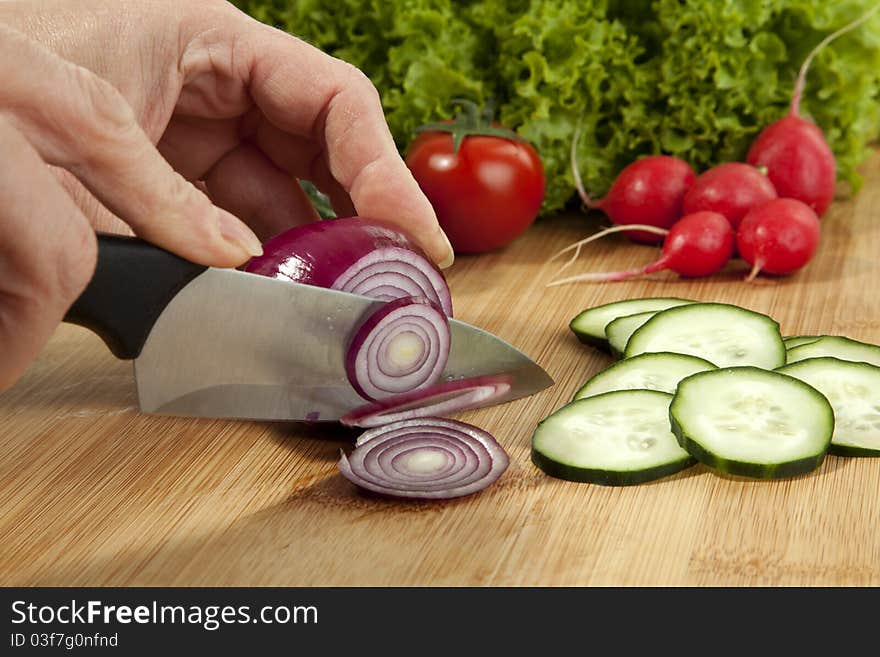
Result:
x=133 y=283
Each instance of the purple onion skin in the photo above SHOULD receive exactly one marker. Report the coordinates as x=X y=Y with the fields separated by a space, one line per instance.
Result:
x=319 y=252
x=367 y=328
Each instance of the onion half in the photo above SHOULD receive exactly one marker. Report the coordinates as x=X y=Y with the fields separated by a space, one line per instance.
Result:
x=353 y=254
x=440 y=399
x=428 y=458
x=401 y=347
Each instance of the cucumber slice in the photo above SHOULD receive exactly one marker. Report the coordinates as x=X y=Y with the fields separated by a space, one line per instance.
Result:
x=854 y=392
x=616 y=439
x=793 y=341
x=752 y=422
x=618 y=331
x=660 y=371
x=721 y=333
x=589 y=325
x=836 y=347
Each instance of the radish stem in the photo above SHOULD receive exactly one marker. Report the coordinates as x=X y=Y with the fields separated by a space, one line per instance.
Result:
x=578 y=182
x=802 y=74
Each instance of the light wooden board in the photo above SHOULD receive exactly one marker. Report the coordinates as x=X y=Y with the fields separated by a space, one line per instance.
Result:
x=94 y=493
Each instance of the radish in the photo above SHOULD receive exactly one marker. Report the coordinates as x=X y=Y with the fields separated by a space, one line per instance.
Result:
x=798 y=159
x=778 y=237
x=698 y=244
x=731 y=189
x=648 y=191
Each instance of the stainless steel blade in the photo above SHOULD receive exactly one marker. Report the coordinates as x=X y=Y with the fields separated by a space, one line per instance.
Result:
x=238 y=345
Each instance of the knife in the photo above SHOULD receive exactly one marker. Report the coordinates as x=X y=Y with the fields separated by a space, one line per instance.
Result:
x=224 y=343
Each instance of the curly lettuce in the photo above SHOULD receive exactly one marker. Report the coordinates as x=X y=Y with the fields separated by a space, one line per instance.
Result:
x=692 y=78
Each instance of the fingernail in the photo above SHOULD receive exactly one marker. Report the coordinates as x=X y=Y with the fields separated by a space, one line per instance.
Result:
x=450 y=253
x=235 y=232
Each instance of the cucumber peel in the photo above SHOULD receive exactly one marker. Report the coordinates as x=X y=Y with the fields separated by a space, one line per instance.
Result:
x=589 y=325
x=617 y=438
x=752 y=422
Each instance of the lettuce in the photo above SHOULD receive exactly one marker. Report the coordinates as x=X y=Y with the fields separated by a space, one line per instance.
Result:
x=692 y=78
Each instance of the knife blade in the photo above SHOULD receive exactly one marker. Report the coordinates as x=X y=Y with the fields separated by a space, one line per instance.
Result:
x=224 y=343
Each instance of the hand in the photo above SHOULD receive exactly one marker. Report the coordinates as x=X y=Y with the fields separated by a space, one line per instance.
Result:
x=172 y=120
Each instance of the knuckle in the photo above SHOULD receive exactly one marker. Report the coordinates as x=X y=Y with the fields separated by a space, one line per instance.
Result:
x=361 y=84
x=101 y=119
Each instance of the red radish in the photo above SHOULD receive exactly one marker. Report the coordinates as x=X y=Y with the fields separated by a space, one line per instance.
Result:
x=778 y=237
x=698 y=244
x=731 y=189
x=798 y=159
x=648 y=191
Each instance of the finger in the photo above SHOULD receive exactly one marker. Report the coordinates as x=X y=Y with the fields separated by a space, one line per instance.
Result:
x=90 y=130
x=307 y=93
x=249 y=185
x=192 y=145
x=47 y=253
x=304 y=159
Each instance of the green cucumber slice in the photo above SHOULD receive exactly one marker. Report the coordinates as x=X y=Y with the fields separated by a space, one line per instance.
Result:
x=615 y=439
x=793 y=341
x=854 y=392
x=752 y=422
x=836 y=347
x=589 y=325
x=721 y=333
x=660 y=371
x=618 y=331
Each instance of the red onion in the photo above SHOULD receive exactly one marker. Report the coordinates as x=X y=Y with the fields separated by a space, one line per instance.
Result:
x=428 y=458
x=443 y=398
x=356 y=255
x=401 y=347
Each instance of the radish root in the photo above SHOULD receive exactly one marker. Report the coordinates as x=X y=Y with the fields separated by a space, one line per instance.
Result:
x=577 y=246
x=607 y=277
x=756 y=269
x=802 y=74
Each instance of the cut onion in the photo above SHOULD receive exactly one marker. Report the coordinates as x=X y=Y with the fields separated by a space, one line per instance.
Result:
x=440 y=399
x=427 y=458
x=401 y=347
x=353 y=254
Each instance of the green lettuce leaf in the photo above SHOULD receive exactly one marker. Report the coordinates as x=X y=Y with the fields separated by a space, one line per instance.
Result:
x=693 y=78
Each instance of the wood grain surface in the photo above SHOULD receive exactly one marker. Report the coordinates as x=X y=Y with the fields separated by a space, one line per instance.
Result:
x=94 y=493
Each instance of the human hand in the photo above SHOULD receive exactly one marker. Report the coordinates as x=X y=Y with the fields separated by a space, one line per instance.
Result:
x=174 y=118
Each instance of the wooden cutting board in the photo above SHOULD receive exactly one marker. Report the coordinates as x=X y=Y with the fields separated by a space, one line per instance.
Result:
x=94 y=493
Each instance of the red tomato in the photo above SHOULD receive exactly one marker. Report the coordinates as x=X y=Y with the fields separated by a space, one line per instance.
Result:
x=485 y=195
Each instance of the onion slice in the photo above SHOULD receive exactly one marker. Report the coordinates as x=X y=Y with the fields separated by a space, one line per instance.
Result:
x=440 y=399
x=426 y=458
x=402 y=346
x=353 y=254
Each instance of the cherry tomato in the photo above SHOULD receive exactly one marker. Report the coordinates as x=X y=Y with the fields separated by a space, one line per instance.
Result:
x=487 y=192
